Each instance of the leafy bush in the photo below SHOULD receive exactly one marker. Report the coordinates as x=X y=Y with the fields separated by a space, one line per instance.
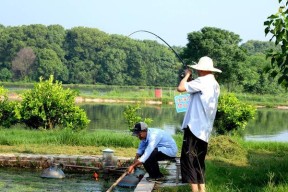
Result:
x=232 y=114
x=48 y=105
x=131 y=116
x=7 y=114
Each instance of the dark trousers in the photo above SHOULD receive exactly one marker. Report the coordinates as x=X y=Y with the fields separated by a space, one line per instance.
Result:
x=192 y=158
x=151 y=165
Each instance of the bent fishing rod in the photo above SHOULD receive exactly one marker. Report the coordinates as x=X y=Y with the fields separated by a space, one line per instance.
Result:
x=162 y=40
x=145 y=31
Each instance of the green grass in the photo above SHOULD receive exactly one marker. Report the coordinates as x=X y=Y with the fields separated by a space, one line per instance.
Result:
x=232 y=164
x=16 y=136
x=30 y=139
x=264 y=100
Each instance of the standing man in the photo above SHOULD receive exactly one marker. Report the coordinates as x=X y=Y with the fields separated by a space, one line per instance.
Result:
x=198 y=121
x=156 y=145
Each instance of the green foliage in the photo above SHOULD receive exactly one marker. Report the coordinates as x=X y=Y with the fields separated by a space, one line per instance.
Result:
x=86 y=55
x=222 y=46
x=253 y=79
x=254 y=47
x=232 y=114
x=132 y=117
x=5 y=74
x=276 y=25
x=48 y=63
x=83 y=55
x=7 y=114
x=49 y=105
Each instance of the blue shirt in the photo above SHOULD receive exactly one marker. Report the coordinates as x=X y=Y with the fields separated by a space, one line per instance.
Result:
x=156 y=138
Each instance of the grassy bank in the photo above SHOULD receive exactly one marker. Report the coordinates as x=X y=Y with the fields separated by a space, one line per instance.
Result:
x=232 y=164
x=18 y=140
x=264 y=100
x=143 y=93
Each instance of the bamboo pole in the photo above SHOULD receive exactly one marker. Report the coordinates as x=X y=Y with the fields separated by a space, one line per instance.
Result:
x=117 y=181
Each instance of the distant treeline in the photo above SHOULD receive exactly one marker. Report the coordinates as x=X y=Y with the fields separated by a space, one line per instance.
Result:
x=84 y=55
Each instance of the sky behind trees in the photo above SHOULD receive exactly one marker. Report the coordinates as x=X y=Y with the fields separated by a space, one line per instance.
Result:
x=170 y=19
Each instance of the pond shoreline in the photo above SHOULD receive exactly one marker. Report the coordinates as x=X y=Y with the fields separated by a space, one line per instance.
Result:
x=80 y=99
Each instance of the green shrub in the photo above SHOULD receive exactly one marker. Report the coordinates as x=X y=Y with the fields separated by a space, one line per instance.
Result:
x=48 y=105
x=132 y=117
x=7 y=113
x=232 y=114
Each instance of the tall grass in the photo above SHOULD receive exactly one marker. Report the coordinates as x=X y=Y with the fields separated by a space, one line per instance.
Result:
x=16 y=136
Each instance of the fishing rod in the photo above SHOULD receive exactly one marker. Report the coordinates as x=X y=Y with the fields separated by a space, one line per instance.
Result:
x=163 y=41
x=145 y=31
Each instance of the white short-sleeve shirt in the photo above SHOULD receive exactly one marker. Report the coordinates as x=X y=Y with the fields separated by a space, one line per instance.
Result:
x=204 y=93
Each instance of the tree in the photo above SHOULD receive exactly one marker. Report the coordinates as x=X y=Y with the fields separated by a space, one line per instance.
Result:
x=222 y=46
x=35 y=35
x=11 y=41
x=252 y=75
x=84 y=45
x=253 y=78
x=48 y=63
x=23 y=63
x=137 y=73
x=113 y=66
x=48 y=106
x=5 y=74
x=255 y=47
x=82 y=71
x=276 y=25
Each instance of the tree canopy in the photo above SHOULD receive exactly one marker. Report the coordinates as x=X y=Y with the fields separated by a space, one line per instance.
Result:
x=83 y=55
x=276 y=25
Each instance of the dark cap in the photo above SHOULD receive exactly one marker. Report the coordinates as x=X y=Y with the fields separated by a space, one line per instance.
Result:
x=141 y=126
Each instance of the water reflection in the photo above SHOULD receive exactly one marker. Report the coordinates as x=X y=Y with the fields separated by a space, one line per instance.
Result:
x=268 y=125
x=280 y=137
x=104 y=116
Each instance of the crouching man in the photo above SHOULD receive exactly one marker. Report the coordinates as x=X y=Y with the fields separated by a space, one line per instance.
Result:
x=156 y=145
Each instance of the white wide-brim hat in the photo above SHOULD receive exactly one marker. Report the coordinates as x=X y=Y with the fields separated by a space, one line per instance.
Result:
x=205 y=64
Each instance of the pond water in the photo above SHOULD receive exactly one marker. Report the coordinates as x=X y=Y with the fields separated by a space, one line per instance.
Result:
x=268 y=125
x=15 y=180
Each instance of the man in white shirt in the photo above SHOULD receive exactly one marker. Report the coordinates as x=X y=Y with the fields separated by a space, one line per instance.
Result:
x=156 y=145
x=198 y=121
